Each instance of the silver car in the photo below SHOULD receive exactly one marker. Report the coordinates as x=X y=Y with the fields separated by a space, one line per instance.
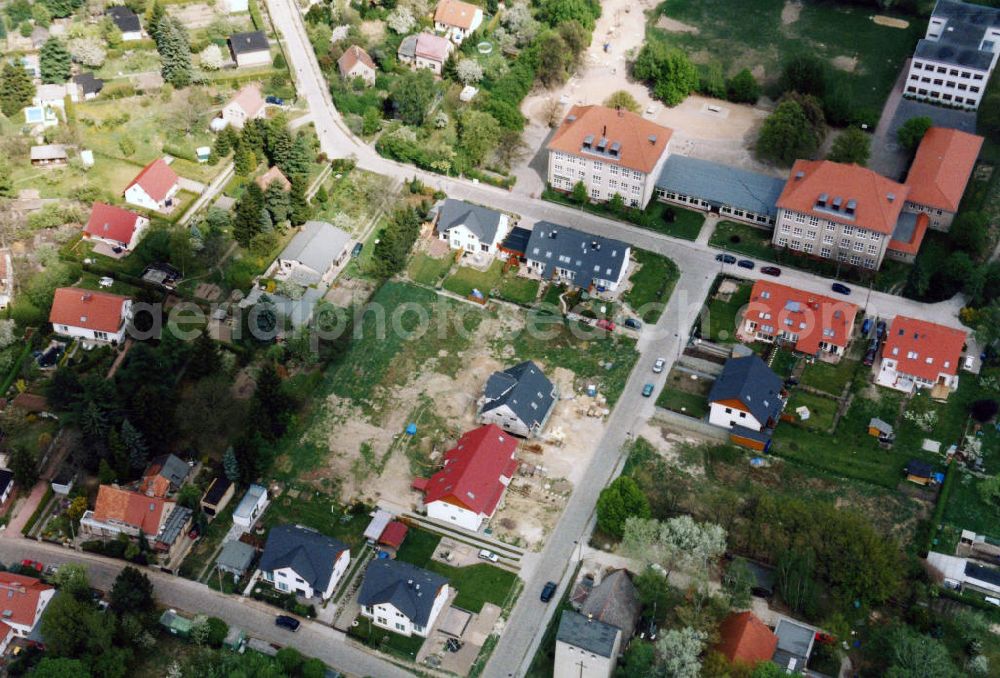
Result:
x=659 y=365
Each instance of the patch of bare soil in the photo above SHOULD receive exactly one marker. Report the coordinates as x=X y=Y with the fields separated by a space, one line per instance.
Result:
x=373 y=30
x=891 y=22
x=845 y=63
x=790 y=12
x=675 y=26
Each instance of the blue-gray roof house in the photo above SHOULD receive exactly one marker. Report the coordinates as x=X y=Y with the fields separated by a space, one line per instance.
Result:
x=563 y=254
x=733 y=192
x=401 y=597
x=587 y=645
x=469 y=227
x=303 y=561
x=747 y=398
x=311 y=257
x=519 y=400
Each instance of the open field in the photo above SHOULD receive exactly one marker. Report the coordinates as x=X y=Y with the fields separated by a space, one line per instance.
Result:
x=829 y=378
x=653 y=283
x=821 y=410
x=721 y=313
x=864 y=56
x=466 y=279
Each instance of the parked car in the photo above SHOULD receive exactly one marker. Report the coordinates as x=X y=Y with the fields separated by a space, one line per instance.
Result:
x=647 y=390
x=840 y=289
x=745 y=263
x=659 y=365
x=277 y=101
x=605 y=324
x=356 y=252
x=725 y=258
x=453 y=644
x=881 y=329
x=548 y=591
x=866 y=327
x=486 y=554
x=32 y=564
x=870 y=356
x=633 y=324
x=970 y=362
x=286 y=622
x=770 y=270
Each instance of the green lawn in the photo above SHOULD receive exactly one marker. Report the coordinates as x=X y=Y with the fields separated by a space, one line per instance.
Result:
x=757 y=36
x=821 y=410
x=829 y=378
x=320 y=512
x=405 y=647
x=652 y=285
x=783 y=362
x=551 y=297
x=720 y=318
x=966 y=509
x=466 y=279
x=671 y=220
x=518 y=290
x=428 y=270
x=476 y=584
x=691 y=404
x=743 y=239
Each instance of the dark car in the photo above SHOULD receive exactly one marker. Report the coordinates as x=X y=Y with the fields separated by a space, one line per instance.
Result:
x=286 y=622
x=277 y=101
x=840 y=289
x=356 y=252
x=725 y=258
x=745 y=263
x=647 y=390
x=633 y=324
x=866 y=327
x=881 y=329
x=870 y=356
x=548 y=591
x=771 y=270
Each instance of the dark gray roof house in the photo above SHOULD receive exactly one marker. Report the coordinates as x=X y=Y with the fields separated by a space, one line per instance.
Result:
x=795 y=644
x=961 y=39
x=169 y=467
x=316 y=248
x=410 y=589
x=615 y=601
x=588 y=258
x=751 y=382
x=311 y=554
x=88 y=83
x=522 y=392
x=248 y=43
x=125 y=19
x=236 y=557
x=591 y=635
x=481 y=221
x=721 y=185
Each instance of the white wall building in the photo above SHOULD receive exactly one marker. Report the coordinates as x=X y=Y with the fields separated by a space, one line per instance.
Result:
x=471 y=228
x=300 y=560
x=457 y=19
x=90 y=316
x=585 y=648
x=251 y=506
x=402 y=598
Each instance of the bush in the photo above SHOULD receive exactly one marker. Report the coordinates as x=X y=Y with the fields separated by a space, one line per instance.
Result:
x=742 y=88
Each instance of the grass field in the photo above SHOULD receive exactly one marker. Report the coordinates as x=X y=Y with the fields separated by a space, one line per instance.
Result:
x=652 y=285
x=686 y=223
x=476 y=584
x=320 y=512
x=829 y=378
x=690 y=404
x=783 y=362
x=868 y=56
x=428 y=270
x=466 y=279
x=518 y=290
x=821 y=410
x=720 y=318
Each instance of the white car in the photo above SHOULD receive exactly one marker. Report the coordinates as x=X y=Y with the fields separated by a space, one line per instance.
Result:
x=992 y=601
x=485 y=554
x=659 y=365
x=106 y=282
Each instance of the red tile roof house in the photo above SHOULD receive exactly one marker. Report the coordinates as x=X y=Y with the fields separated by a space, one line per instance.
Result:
x=476 y=473
x=611 y=151
x=425 y=50
x=118 y=511
x=745 y=639
x=355 y=63
x=846 y=213
x=919 y=354
x=114 y=226
x=90 y=316
x=154 y=187
x=809 y=323
x=22 y=601
x=940 y=173
x=457 y=19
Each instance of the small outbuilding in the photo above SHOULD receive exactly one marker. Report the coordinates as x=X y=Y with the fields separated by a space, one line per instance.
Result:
x=49 y=155
x=919 y=472
x=250 y=49
x=235 y=558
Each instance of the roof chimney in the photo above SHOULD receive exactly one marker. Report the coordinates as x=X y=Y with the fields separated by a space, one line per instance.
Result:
x=891 y=197
x=604 y=131
x=652 y=139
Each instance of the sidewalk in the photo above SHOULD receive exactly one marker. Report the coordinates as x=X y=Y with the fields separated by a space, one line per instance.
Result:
x=708 y=228
x=23 y=510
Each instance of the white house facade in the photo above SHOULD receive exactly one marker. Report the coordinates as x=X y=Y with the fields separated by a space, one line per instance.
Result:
x=302 y=561
x=585 y=648
x=401 y=597
x=471 y=228
x=287 y=580
x=90 y=316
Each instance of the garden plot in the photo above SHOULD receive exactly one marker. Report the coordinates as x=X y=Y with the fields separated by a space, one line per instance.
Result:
x=356 y=438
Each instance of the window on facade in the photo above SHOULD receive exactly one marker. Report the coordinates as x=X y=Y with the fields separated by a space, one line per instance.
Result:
x=828 y=239
x=855 y=260
x=938 y=81
x=797 y=232
x=974 y=89
x=845 y=243
x=873 y=249
x=859 y=246
x=825 y=252
x=782 y=242
x=785 y=228
x=813 y=220
x=811 y=235
x=807 y=248
x=800 y=218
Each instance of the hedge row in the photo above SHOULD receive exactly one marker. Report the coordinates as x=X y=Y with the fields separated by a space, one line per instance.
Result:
x=46 y=498
x=939 y=508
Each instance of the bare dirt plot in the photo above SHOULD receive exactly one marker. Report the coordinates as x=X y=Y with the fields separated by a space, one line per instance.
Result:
x=790 y=12
x=845 y=63
x=891 y=22
x=674 y=26
x=198 y=15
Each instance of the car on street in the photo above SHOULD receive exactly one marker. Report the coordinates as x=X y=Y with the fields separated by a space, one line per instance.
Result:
x=745 y=263
x=881 y=329
x=286 y=622
x=659 y=365
x=486 y=554
x=770 y=270
x=870 y=354
x=633 y=324
x=548 y=591
x=866 y=327
x=605 y=324
x=356 y=252
x=274 y=101
x=647 y=390
x=725 y=258
x=32 y=564
x=840 y=289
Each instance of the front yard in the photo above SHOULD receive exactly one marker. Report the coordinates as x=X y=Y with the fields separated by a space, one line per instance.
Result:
x=720 y=317
x=671 y=220
x=652 y=285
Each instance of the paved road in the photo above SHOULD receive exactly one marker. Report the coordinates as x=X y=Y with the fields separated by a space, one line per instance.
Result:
x=254 y=617
x=698 y=267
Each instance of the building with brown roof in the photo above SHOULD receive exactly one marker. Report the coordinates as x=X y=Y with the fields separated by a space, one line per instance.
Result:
x=611 y=152
x=89 y=315
x=940 y=173
x=355 y=63
x=248 y=104
x=118 y=511
x=273 y=175
x=154 y=187
x=844 y=212
x=425 y=50
x=457 y=19
x=745 y=639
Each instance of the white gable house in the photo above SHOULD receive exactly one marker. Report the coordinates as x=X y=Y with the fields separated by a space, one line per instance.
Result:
x=469 y=227
x=302 y=561
x=402 y=598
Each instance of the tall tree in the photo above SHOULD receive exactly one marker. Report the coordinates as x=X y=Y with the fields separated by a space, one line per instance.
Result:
x=270 y=405
x=851 y=146
x=411 y=94
x=54 y=61
x=742 y=88
x=230 y=465
x=16 y=88
x=679 y=542
x=246 y=223
x=671 y=73
x=24 y=467
x=6 y=177
x=133 y=441
x=619 y=500
x=277 y=201
x=805 y=74
x=300 y=210
x=132 y=592
x=205 y=359
x=912 y=132
x=175 y=52
x=478 y=134
x=786 y=135
x=678 y=652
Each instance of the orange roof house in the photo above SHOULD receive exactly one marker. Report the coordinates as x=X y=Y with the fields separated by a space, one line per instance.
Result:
x=24 y=599
x=355 y=63
x=846 y=194
x=113 y=224
x=272 y=175
x=810 y=323
x=920 y=354
x=131 y=509
x=156 y=179
x=745 y=638
x=73 y=307
x=942 y=167
x=621 y=137
x=458 y=14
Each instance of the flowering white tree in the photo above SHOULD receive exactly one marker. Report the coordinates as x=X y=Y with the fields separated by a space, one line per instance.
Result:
x=520 y=24
x=680 y=542
x=400 y=20
x=677 y=653
x=7 y=335
x=469 y=71
x=88 y=51
x=211 y=58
